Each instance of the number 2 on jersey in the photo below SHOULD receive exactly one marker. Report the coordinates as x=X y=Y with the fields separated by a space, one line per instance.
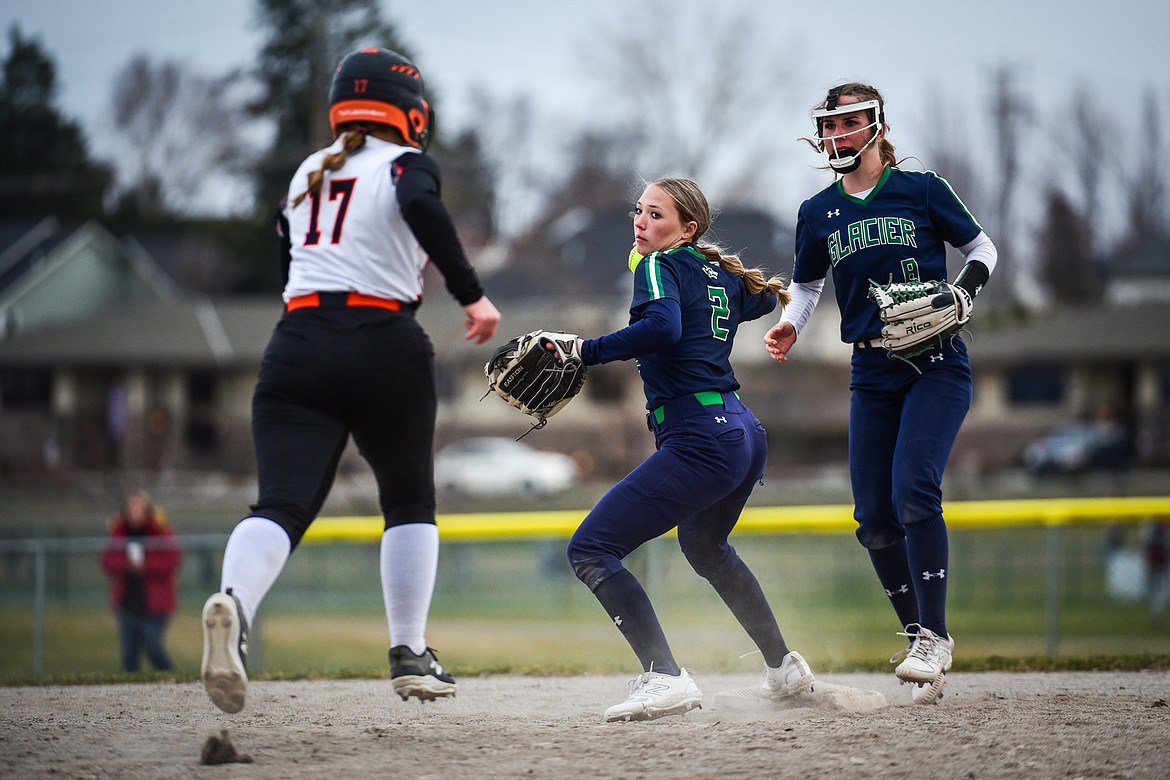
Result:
x=719 y=312
x=342 y=187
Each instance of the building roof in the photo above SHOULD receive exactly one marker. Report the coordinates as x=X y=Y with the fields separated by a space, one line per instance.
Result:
x=193 y=333
x=1077 y=335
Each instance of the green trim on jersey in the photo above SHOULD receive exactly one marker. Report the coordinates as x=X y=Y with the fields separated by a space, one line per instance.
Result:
x=872 y=192
x=653 y=275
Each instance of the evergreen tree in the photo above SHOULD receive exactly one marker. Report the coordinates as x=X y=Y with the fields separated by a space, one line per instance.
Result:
x=44 y=163
x=1067 y=265
x=305 y=40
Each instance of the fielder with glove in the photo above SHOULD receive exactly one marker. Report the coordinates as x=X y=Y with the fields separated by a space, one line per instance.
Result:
x=538 y=373
x=689 y=300
x=880 y=222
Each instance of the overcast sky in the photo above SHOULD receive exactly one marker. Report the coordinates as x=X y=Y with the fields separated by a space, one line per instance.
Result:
x=546 y=50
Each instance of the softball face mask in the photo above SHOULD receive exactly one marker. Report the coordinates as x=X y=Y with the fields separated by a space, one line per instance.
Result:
x=838 y=161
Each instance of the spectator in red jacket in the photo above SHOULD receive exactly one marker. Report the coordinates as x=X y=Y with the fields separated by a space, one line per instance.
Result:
x=142 y=561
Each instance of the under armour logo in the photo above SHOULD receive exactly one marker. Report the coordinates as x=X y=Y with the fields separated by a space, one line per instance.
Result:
x=936 y=357
x=929 y=575
x=617 y=620
x=833 y=213
x=903 y=589
x=720 y=419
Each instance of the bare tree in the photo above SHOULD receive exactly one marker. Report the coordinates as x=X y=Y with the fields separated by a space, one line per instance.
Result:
x=705 y=102
x=1009 y=110
x=184 y=135
x=1147 y=181
x=1083 y=136
x=950 y=153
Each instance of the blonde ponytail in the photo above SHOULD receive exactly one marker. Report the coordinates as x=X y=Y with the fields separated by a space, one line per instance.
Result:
x=353 y=140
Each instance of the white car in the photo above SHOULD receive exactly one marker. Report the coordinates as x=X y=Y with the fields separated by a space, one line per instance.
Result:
x=498 y=466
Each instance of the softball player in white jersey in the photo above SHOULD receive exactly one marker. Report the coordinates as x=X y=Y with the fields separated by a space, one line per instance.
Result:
x=361 y=220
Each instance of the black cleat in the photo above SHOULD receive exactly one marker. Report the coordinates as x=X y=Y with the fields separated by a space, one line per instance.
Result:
x=420 y=676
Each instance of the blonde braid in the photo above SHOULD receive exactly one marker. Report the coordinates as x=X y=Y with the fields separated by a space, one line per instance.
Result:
x=753 y=278
x=352 y=141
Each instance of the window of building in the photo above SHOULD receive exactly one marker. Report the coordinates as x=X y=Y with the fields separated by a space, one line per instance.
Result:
x=1036 y=386
x=26 y=389
x=202 y=433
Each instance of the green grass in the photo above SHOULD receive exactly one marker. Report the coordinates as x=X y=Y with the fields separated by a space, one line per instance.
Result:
x=515 y=608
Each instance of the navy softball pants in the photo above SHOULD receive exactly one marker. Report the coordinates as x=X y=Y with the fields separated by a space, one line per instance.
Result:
x=329 y=373
x=708 y=459
x=903 y=420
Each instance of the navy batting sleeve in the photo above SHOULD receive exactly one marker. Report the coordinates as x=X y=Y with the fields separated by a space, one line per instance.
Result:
x=659 y=327
x=756 y=306
x=417 y=182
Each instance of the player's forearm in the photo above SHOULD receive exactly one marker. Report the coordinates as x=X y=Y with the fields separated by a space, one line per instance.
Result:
x=981 y=256
x=432 y=226
x=659 y=328
x=804 y=299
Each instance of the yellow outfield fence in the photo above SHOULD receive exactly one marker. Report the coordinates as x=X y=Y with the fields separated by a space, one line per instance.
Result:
x=824 y=518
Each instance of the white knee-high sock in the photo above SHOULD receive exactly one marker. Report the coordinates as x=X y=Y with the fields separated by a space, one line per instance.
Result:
x=410 y=561
x=255 y=555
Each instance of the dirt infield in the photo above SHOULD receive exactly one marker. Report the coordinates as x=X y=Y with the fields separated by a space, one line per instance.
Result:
x=1047 y=725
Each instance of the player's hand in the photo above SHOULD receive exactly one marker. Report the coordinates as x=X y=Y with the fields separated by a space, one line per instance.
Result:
x=779 y=340
x=482 y=320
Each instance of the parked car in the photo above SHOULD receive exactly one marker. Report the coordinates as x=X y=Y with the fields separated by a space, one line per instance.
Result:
x=497 y=466
x=1077 y=448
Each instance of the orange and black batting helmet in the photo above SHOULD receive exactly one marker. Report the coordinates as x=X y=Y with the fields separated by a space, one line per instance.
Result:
x=380 y=86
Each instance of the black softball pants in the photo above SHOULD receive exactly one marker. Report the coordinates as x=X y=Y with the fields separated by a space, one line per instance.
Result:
x=331 y=373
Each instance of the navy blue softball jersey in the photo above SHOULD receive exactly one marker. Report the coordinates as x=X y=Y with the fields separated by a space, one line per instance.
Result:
x=897 y=232
x=683 y=318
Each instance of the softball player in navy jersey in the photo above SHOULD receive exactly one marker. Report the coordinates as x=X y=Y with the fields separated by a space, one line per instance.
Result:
x=688 y=302
x=361 y=220
x=880 y=223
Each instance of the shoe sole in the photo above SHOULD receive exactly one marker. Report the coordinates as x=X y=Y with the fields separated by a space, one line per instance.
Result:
x=423 y=687
x=932 y=693
x=650 y=713
x=224 y=676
